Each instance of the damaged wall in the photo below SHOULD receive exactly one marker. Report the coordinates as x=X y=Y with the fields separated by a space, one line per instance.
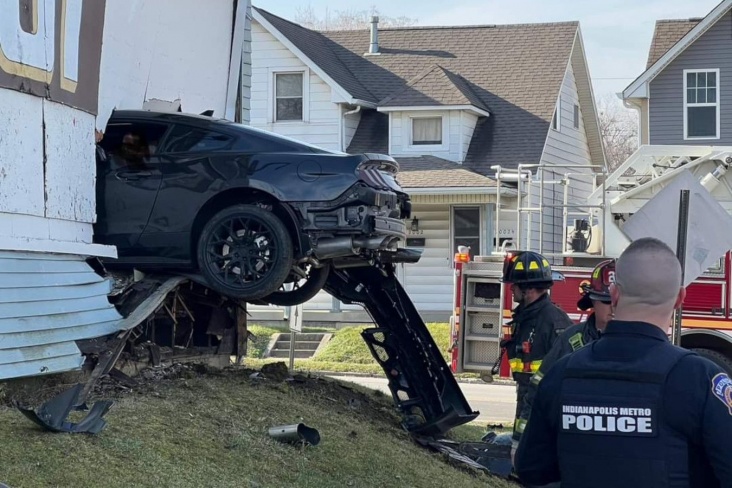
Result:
x=167 y=50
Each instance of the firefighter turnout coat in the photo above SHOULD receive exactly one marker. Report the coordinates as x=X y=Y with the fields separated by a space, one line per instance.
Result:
x=535 y=327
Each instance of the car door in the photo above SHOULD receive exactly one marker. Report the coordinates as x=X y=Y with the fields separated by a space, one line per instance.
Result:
x=128 y=180
x=189 y=178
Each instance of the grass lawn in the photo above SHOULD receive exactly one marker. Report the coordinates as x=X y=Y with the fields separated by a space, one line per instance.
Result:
x=210 y=429
x=345 y=353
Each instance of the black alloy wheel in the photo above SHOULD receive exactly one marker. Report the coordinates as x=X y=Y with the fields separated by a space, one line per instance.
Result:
x=245 y=252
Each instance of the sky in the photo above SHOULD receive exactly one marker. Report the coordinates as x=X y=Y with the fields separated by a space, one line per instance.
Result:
x=616 y=33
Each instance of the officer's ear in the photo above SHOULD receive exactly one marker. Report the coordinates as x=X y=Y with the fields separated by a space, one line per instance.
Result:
x=614 y=295
x=680 y=298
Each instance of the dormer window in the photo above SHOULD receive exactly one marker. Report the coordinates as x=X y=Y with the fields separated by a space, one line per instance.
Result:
x=427 y=131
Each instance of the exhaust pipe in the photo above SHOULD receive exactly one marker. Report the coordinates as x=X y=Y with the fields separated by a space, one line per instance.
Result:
x=346 y=246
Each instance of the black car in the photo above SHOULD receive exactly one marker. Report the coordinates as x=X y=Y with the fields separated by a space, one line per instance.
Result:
x=247 y=210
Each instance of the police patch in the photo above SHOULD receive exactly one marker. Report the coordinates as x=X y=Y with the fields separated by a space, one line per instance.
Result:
x=722 y=389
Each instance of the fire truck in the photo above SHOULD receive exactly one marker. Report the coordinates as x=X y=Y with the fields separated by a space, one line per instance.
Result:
x=483 y=305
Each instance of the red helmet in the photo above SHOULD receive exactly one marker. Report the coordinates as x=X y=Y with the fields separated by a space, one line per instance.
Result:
x=598 y=287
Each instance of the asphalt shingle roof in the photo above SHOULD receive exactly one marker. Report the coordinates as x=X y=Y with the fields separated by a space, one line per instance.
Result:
x=512 y=71
x=666 y=34
x=372 y=133
x=434 y=86
x=433 y=172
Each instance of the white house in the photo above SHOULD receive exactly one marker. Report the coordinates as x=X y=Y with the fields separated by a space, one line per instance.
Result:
x=449 y=103
x=64 y=66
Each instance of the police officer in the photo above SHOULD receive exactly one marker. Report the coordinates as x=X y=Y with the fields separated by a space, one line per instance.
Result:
x=631 y=409
x=536 y=320
x=595 y=296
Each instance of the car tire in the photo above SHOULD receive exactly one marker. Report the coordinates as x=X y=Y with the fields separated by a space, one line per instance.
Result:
x=716 y=357
x=239 y=233
x=311 y=287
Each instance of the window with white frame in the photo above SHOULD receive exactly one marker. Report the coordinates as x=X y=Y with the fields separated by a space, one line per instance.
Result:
x=427 y=131
x=288 y=96
x=701 y=104
x=466 y=229
x=576 y=116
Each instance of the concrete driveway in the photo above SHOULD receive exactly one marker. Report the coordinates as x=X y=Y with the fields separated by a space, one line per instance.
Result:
x=495 y=402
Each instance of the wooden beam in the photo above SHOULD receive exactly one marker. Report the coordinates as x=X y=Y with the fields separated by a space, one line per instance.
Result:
x=242 y=332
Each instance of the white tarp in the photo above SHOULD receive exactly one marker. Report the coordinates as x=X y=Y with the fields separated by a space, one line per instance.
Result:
x=710 y=226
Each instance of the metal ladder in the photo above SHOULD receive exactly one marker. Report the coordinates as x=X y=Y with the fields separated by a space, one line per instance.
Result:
x=528 y=176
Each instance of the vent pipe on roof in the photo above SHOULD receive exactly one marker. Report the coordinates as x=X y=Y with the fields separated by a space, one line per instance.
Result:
x=374 y=48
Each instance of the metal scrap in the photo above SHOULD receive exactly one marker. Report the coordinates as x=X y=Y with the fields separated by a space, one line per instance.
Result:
x=295 y=433
x=492 y=458
x=52 y=414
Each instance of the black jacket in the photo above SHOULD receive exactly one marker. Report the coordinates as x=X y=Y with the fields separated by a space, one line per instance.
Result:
x=570 y=340
x=630 y=409
x=538 y=323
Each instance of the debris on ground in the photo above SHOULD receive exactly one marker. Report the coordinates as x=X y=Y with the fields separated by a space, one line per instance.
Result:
x=52 y=415
x=295 y=434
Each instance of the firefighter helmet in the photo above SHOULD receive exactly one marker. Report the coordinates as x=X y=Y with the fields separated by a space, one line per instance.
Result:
x=529 y=268
x=599 y=286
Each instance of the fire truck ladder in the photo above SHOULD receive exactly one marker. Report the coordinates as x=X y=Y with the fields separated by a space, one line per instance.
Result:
x=526 y=180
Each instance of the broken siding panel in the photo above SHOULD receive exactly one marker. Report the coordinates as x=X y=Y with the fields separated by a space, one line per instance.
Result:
x=48 y=301
x=70 y=164
x=21 y=153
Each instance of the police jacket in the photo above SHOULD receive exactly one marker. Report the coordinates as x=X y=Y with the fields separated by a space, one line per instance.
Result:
x=535 y=328
x=570 y=340
x=630 y=409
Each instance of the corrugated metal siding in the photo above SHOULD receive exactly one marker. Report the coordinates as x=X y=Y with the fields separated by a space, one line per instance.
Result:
x=48 y=301
x=711 y=50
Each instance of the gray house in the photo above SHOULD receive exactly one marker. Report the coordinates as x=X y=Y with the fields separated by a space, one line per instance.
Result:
x=450 y=104
x=688 y=75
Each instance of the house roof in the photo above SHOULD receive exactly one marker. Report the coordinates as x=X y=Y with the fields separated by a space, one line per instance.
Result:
x=372 y=133
x=434 y=172
x=667 y=33
x=433 y=87
x=664 y=49
x=514 y=72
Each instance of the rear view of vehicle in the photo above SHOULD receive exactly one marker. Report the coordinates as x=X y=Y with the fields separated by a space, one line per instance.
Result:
x=247 y=210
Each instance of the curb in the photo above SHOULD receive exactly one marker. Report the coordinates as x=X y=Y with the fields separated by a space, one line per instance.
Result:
x=501 y=382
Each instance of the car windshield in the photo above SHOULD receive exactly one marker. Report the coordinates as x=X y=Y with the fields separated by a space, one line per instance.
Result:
x=284 y=139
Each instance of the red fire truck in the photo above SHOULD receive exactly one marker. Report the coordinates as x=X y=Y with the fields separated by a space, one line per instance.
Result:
x=483 y=305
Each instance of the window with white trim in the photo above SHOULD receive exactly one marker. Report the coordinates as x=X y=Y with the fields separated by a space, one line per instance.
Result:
x=467 y=229
x=701 y=104
x=427 y=131
x=576 y=116
x=288 y=96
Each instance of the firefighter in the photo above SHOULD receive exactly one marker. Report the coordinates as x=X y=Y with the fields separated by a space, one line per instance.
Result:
x=595 y=296
x=632 y=409
x=536 y=320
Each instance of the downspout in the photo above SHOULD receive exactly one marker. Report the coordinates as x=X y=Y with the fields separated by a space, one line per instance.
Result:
x=343 y=128
x=633 y=106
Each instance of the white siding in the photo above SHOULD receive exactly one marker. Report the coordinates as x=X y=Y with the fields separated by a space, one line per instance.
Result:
x=322 y=117
x=189 y=62
x=430 y=281
x=453 y=140
x=467 y=126
x=567 y=146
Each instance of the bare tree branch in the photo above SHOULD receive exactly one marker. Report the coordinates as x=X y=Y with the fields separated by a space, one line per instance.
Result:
x=618 y=129
x=347 y=19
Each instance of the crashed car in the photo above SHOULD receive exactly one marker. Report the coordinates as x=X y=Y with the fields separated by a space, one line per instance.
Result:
x=259 y=216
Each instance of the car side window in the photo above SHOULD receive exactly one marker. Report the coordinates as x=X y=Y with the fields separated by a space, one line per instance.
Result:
x=185 y=139
x=131 y=144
